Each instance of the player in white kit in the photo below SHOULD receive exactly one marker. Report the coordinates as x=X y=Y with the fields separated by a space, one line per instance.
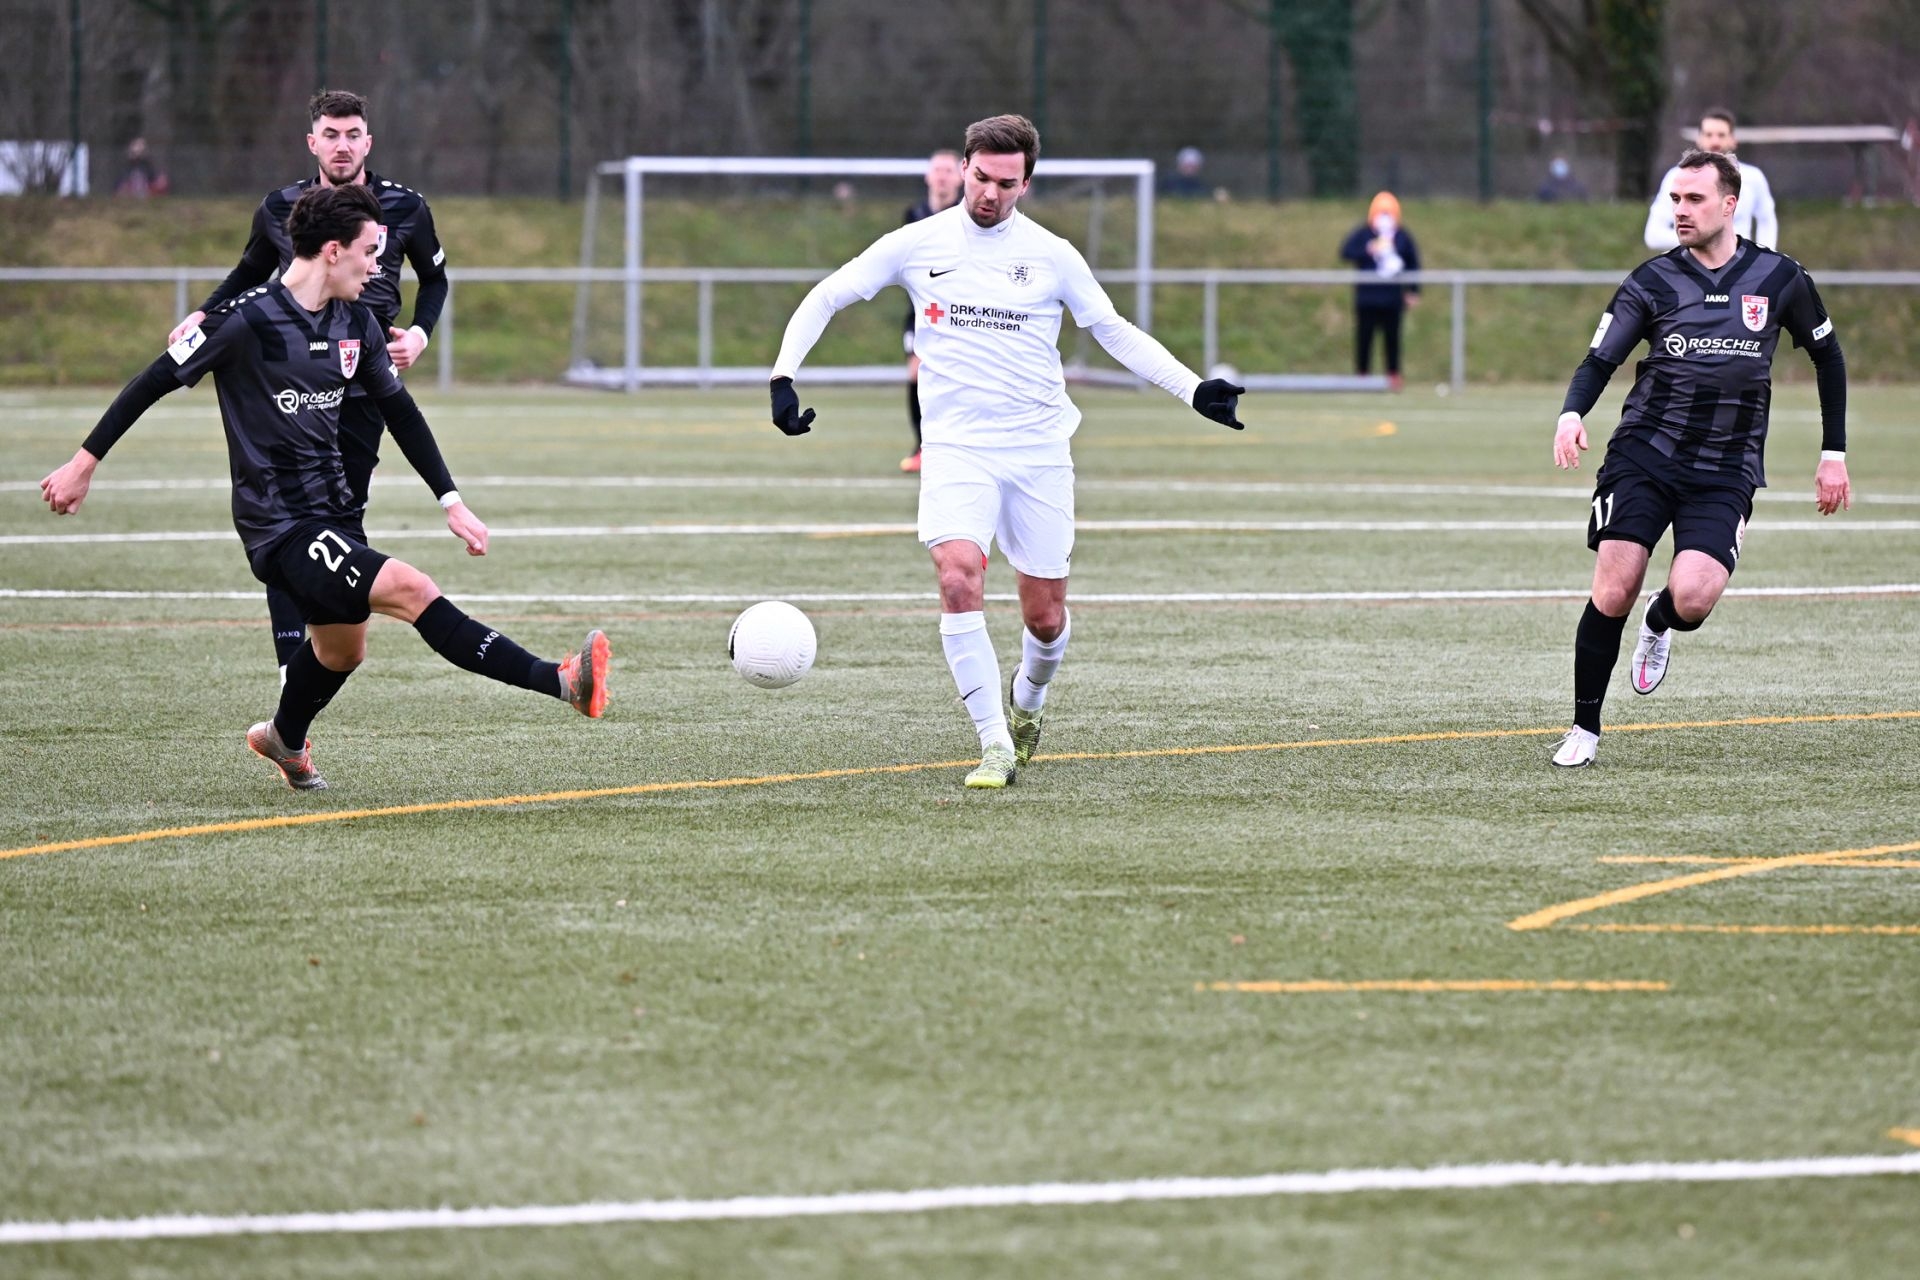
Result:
x=989 y=288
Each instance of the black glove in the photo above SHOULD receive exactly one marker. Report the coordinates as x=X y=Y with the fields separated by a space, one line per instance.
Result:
x=1217 y=398
x=786 y=409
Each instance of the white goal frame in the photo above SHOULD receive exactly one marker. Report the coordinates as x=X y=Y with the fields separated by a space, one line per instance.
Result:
x=633 y=372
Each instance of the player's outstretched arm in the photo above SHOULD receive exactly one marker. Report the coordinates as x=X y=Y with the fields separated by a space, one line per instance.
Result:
x=66 y=488
x=409 y=429
x=1569 y=440
x=786 y=408
x=1216 y=398
x=1832 y=490
x=258 y=261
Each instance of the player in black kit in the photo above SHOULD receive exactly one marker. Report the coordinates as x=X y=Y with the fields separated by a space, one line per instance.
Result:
x=1687 y=454
x=284 y=357
x=943 y=191
x=340 y=142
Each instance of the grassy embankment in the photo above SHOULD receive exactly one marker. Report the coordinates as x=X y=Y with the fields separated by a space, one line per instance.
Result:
x=100 y=334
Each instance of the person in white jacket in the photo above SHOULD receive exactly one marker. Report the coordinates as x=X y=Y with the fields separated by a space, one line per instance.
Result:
x=1754 y=219
x=989 y=288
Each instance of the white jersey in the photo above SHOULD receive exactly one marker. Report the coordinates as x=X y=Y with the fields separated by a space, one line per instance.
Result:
x=1754 y=217
x=987 y=305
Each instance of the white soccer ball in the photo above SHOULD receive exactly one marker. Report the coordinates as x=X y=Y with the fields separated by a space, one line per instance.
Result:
x=772 y=644
x=1224 y=371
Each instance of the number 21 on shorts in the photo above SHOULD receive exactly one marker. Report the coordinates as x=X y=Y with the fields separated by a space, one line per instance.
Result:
x=319 y=550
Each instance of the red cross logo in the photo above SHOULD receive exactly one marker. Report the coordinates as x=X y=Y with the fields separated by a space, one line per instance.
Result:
x=933 y=313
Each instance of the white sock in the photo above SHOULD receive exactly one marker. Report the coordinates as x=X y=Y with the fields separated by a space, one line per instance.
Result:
x=1039 y=660
x=976 y=674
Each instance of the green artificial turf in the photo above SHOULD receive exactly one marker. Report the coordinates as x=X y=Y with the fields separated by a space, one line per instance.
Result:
x=881 y=981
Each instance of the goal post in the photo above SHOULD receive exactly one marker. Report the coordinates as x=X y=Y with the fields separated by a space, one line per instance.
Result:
x=630 y=371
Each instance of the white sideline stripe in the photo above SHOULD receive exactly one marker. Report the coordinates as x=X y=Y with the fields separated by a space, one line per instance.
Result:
x=739 y=1208
x=897 y=485
x=923 y=597
x=378 y=536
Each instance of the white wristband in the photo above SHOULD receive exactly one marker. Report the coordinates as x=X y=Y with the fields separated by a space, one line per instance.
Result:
x=423 y=335
x=1568 y=414
x=450 y=499
x=1833 y=455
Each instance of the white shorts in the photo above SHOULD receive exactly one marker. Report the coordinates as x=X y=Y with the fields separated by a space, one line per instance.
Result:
x=1022 y=495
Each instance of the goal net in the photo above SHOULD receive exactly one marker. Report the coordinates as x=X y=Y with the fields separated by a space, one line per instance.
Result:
x=691 y=264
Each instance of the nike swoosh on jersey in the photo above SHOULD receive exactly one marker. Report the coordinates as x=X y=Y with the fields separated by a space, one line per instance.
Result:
x=935 y=275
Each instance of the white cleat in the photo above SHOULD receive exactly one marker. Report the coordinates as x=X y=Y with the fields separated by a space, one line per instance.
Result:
x=1577 y=749
x=1650 y=655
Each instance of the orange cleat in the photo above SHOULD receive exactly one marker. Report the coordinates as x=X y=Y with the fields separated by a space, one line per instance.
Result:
x=295 y=766
x=585 y=675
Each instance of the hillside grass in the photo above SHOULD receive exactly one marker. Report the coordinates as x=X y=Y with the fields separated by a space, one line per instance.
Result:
x=101 y=334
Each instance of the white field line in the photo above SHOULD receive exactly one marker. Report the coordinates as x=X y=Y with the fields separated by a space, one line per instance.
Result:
x=927 y=597
x=856 y=529
x=1581 y=492
x=1048 y=1194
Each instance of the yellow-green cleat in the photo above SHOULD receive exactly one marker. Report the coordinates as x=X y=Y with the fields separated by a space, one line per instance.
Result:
x=997 y=769
x=1025 y=727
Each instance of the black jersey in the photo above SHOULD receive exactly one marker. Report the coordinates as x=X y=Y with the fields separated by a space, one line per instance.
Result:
x=1700 y=397
x=281 y=373
x=406 y=233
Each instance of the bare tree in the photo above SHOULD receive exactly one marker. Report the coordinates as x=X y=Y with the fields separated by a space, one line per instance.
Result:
x=1615 y=50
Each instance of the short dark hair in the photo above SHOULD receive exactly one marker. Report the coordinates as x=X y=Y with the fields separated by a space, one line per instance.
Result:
x=336 y=104
x=1694 y=158
x=1004 y=135
x=324 y=214
x=1721 y=113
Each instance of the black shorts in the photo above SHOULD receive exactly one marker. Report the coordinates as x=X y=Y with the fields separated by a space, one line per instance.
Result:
x=1636 y=503
x=326 y=570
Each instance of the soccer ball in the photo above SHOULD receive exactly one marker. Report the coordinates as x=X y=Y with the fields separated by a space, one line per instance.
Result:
x=772 y=644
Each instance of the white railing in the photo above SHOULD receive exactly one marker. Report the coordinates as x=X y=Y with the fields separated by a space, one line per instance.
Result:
x=705 y=373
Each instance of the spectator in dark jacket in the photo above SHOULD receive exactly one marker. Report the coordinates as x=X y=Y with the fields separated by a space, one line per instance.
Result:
x=1381 y=250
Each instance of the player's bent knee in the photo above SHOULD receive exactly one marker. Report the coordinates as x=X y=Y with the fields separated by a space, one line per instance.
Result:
x=402 y=591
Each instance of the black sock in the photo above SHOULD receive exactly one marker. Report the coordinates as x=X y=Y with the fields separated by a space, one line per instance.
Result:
x=913 y=411
x=310 y=686
x=1662 y=616
x=289 y=628
x=1596 y=647
x=482 y=650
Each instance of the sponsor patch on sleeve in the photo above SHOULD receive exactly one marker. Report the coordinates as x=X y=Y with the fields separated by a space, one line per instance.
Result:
x=439 y=257
x=191 y=340
x=1826 y=327
x=1606 y=322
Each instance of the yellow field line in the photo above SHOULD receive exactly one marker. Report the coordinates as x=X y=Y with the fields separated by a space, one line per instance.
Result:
x=1696 y=859
x=1812 y=930
x=1652 y=888
x=721 y=784
x=1424 y=986
x=1905 y=1135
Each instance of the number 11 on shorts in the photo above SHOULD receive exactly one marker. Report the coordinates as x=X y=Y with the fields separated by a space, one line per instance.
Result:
x=1602 y=513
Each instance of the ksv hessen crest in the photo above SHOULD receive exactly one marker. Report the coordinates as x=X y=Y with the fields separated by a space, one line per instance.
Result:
x=1020 y=272
x=349 y=355
x=1753 y=311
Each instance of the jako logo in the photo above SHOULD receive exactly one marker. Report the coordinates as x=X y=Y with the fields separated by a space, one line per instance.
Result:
x=291 y=401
